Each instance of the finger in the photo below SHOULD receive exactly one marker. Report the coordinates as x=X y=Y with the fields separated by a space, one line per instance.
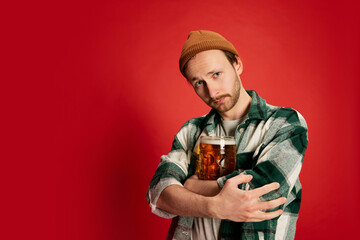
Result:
x=194 y=177
x=262 y=216
x=262 y=205
x=258 y=192
x=241 y=178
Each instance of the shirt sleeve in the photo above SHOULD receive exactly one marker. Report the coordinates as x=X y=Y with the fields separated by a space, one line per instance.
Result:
x=279 y=158
x=172 y=170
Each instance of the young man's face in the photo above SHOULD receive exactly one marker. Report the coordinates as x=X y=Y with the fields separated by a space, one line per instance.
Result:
x=215 y=80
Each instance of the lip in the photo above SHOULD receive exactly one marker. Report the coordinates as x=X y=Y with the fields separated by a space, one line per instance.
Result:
x=221 y=100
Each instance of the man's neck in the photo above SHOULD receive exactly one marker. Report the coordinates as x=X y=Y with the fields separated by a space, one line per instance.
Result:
x=240 y=109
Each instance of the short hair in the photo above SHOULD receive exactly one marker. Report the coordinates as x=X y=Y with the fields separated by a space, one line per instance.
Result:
x=229 y=56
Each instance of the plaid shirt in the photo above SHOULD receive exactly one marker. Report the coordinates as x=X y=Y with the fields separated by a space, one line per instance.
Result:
x=270 y=146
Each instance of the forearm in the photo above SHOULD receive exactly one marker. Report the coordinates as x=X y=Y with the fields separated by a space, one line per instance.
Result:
x=231 y=203
x=180 y=201
x=203 y=187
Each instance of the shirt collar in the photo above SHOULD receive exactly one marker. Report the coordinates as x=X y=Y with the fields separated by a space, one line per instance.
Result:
x=258 y=110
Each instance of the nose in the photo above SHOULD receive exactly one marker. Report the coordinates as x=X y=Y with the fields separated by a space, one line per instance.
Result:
x=213 y=90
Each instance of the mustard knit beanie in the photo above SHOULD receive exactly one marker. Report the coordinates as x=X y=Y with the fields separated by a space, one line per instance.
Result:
x=203 y=40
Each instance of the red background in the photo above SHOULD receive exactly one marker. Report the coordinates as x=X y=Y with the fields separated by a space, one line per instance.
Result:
x=92 y=97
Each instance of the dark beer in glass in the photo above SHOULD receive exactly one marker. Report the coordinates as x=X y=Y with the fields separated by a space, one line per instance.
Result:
x=217 y=157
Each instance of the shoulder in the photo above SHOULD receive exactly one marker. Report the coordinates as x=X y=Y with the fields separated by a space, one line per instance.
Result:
x=285 y=116
x=199 y=122
x=285 y=124
x=281 y=123
x=195 y=122
x=189 y=131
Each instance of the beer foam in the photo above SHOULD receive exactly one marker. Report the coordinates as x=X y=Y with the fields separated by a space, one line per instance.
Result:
x=217 y=141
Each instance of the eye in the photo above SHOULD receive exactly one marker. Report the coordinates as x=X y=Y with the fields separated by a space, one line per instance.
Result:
x=199 y=83
x=217 y=74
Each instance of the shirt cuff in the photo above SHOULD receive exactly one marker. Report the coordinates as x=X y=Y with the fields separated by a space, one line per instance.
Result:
x=154 y=195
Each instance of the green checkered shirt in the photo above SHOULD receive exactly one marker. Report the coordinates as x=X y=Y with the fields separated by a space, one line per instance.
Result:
x=270 y=146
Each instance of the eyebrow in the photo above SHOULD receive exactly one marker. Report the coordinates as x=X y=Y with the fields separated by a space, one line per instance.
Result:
x=209 y=73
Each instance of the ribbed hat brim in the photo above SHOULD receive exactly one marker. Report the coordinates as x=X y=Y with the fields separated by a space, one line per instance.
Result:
x=199 y=41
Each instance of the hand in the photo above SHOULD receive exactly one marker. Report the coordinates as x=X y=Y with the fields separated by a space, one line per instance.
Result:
x=244 y=206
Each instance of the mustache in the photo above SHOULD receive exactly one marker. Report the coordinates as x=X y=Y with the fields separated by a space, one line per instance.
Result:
x=219 y=97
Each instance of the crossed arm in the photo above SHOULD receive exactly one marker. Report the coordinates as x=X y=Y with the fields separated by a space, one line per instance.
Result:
x=280 y=160
x=201 y=198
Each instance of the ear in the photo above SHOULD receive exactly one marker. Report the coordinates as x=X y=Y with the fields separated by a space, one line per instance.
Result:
x=238 y=66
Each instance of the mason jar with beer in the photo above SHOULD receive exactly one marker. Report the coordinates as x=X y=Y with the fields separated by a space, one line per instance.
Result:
x=217 y=157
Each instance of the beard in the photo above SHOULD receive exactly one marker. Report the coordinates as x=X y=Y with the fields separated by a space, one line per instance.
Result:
x=230 y=99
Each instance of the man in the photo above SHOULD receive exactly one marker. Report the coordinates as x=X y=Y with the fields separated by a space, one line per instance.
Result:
x=261 y=199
